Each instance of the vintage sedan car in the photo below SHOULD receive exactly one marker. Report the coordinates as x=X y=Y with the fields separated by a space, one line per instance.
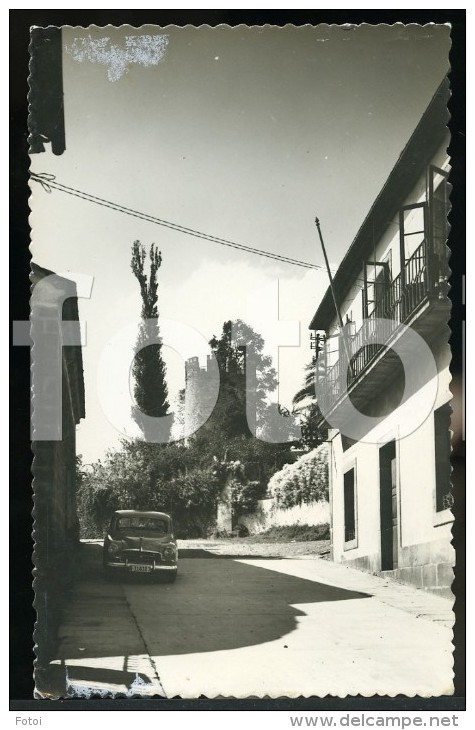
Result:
x=141 y=542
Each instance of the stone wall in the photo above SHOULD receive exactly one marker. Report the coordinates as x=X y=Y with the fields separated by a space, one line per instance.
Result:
x=268 y=514
x=56 y=527
x=224 y=515
x=305 y=479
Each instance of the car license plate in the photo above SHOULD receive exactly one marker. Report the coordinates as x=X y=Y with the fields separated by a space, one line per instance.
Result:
x=141 y=568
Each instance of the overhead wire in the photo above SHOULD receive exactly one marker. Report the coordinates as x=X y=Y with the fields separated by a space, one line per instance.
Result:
x=48 y=181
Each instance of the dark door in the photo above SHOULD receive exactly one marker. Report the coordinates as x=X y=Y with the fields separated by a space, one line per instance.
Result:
x=388 y=506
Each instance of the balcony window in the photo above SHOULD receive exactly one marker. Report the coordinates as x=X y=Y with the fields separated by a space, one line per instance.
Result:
x=377 y=279
x=413 y=252
x=412 y=228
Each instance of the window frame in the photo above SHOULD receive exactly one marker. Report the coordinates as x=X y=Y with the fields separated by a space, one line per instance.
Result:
x=385 y=269
x=402 y=235
x=353 y=543
x=444 y=515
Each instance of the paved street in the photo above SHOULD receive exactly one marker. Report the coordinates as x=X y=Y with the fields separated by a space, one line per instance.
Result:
x=253 y=626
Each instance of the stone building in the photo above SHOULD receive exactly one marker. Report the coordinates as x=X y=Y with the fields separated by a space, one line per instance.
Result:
x=56 y=528
x=200 y=389
x=390 y=489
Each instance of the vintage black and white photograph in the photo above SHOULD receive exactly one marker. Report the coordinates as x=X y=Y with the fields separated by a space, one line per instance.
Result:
x=241 y=393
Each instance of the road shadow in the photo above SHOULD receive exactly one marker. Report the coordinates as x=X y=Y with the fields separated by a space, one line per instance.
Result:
x=216 y=604
x=86 y=682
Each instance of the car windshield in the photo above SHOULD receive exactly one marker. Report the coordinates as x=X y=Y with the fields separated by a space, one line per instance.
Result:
x=140 y=523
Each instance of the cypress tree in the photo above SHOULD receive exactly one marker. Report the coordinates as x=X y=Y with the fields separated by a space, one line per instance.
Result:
x=148 y=370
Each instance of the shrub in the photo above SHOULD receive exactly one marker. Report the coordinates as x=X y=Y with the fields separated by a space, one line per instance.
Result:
x=296 y=533
x=245 y=496
x=148 y=476
x=304 y=481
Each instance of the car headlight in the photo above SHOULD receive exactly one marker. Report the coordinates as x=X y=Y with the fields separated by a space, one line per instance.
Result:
x=115 y=547
x=169 y=552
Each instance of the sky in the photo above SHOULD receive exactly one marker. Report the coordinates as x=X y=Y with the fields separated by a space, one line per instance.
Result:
x=242 y=133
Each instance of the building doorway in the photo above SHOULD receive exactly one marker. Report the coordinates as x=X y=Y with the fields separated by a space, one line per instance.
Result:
x=388 y=506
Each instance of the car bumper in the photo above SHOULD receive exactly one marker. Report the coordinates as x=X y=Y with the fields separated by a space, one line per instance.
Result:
x=141 y=567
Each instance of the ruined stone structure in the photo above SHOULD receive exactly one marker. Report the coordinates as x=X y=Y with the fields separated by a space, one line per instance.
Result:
x=200 y=394
x=200 y=399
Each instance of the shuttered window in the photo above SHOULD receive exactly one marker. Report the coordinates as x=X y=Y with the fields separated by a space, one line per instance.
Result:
x=349 y=506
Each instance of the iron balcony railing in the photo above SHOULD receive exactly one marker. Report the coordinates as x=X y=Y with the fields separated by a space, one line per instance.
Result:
x=400 y=300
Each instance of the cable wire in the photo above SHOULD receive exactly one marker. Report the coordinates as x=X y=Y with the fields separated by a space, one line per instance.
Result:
x=48 y=181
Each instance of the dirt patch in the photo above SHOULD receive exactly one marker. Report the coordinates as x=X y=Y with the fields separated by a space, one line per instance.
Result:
x=251 y=547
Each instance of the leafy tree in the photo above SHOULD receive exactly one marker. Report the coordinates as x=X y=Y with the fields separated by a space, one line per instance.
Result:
x=142 y=476
x=245 y=496
x=226 y=437
x=150 y=389
x=229 y=419
x=308 y=388
x=281 y=425
x=313 y=434
x=196 y=495
x=309 y=411
x=186 y=481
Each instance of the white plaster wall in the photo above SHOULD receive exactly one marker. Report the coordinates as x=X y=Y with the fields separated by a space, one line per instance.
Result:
x=364 y=458
x=415 y=453
x=417 y=485
x=418 y=521
x=268 y=515
x=416 y=464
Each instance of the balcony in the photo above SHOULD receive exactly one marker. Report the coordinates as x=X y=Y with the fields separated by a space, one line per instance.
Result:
x=416 y=298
